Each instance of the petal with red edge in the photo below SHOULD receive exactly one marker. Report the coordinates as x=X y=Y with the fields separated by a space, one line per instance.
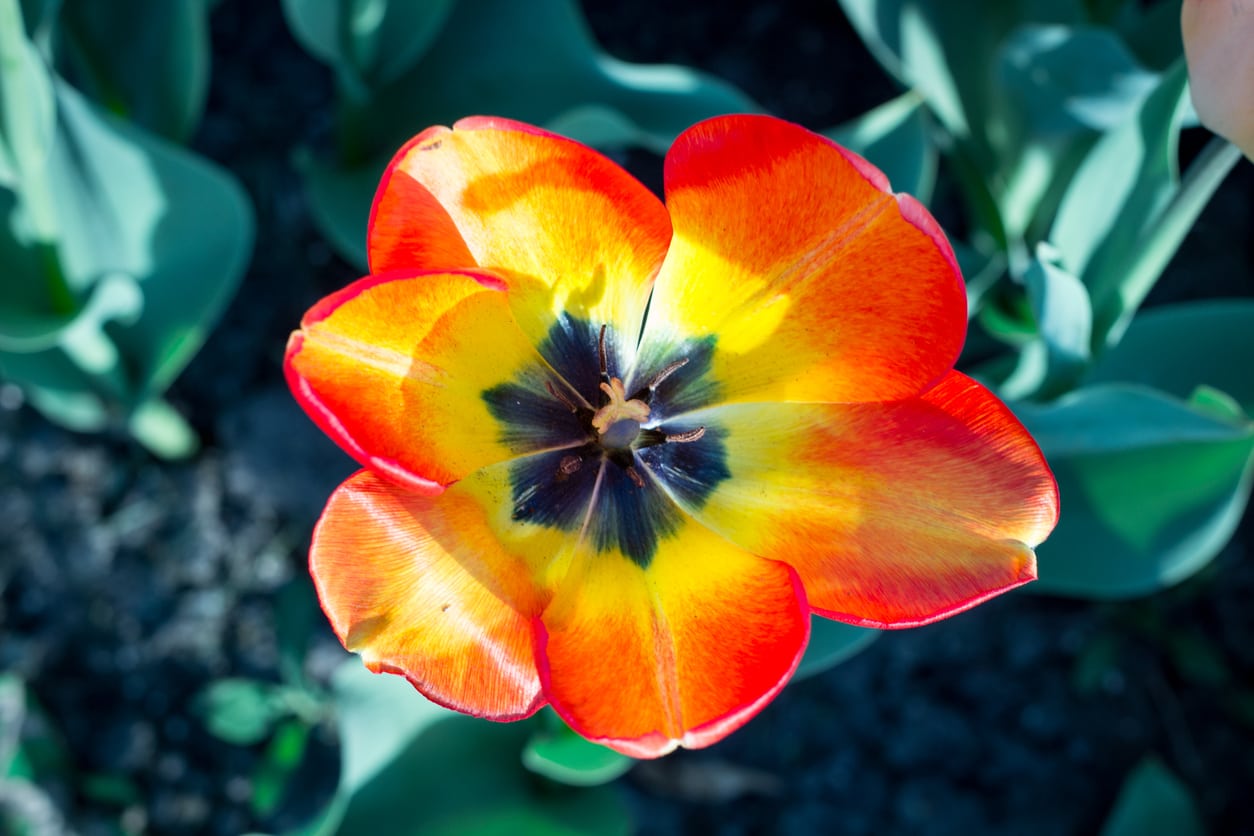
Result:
x=395 y=368
x=420 y=587
x=682 y=652
x=815 y=281
x=575 y=233
x=893 y=514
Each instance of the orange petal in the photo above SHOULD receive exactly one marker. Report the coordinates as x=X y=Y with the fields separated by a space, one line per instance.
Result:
x=680 y=653
x=893 y=514
x=815 y=281
x=395 y=369
x=573 y=231
x=419 y=587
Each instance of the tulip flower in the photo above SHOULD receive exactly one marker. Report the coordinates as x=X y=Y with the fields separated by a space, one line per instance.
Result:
x=616 y=453
x=1219 y=47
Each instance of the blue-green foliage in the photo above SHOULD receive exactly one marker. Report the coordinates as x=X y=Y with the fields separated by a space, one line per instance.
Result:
x=1059 y=121
x=534 y=61
x=112 y=276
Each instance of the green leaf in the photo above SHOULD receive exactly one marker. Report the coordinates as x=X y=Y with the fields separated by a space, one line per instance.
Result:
x=1072 y=78
x=558 y=753
x=1064 y=323
x=160 y=78
x=1177 y=348
x=1153 y=802
x=1118 y=193
x=536 y=62
x=274 y=770
x=139 y=207
x=1152 y=488
x=131 y=215
x=240 y=711
x=411 y=767
x=944 y=49
x=73 y=372
x=339 y=201
x=369 y=41
x=894 y=137
x=1152 y=32
x=832 y=642
x=162 y=430
x=27 y=104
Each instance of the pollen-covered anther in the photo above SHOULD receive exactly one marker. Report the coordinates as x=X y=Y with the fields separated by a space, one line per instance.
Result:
x=686 y=436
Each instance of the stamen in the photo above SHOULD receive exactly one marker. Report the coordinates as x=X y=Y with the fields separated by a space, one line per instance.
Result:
x=634 y=475
x=666 y=372
x=555 y=392
x=601 y=354
x=569 y=465
x=685 y=437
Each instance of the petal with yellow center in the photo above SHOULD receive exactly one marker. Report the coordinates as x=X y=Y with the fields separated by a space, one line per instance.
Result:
x=814 y=281
x=679 y=653
x=395 y=367
x=420 y=587
x=576 y=234
x=893 y=514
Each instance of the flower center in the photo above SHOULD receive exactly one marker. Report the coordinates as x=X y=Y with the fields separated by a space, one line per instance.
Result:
x=618 y=422
x=599 y=441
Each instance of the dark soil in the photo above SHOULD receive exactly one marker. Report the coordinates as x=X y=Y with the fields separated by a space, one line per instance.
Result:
x=127 y=585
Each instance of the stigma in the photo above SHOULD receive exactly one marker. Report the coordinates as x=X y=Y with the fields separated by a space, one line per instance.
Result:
x=617 y=423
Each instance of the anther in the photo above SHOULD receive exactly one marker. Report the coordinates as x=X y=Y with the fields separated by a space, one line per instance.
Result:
x=569 y=465
x=666 y=372
x=553 y=390
x=601 y=355
x=684 y=437
x=634 y=475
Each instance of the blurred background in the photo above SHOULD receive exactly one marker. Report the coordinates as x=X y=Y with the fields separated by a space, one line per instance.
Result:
x=182 y=180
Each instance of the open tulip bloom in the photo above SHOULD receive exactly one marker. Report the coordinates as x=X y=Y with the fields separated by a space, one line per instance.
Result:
x=615 y=452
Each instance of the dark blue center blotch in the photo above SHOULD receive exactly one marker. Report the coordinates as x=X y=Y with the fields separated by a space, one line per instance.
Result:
x=554 y=488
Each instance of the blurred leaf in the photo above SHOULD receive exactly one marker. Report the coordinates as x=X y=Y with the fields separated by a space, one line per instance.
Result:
x=274 y=770
x=12 y=712
x=831 y=642
x=944 y=49
x=1152 y=32
x=339 y=201
x=31 y=749
x=27 y=105
x=160 y=78
x=536 y=62
x=894 y=138
x=162 y=430
x=368 y=41
x=143 y=208
x=1095 y=661
x=240 y=711
x=39 y=16
x=131 y=218
x=1060 y=305
x=411 y=767
x=539 y=61
x=108 y=788
x=1117 y=194
x=1153 y=802
x=1072 y=78
x=562 y=755
x=1151 y=487
x=1177 y=348
x=1161 y=240
x=1197 y=658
